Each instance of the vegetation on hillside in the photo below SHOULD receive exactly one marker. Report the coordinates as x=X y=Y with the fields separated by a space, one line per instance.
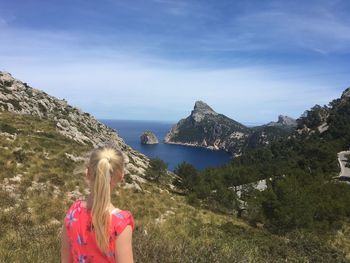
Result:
x=301 y=193
x=38 y=184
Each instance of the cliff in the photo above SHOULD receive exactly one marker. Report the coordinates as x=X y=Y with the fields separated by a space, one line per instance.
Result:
x=207 y=128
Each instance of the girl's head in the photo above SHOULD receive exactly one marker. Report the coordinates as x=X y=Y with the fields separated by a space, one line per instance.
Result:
x=106 y=164
x=105 y=170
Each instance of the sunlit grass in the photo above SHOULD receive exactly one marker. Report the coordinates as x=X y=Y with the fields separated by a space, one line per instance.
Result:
x=36 y=179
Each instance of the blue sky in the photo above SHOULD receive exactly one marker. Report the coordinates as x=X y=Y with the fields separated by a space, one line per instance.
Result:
x=151 y=60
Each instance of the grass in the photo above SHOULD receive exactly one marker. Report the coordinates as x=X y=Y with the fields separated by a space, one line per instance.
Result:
x=36 y=181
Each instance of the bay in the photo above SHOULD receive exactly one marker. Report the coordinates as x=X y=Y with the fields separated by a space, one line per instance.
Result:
x=131 y=130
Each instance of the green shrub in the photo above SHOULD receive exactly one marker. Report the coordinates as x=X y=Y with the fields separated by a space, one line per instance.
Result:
x=4 y=127
x=156 y=170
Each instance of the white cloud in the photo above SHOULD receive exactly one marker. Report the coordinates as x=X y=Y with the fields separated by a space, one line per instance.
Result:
x=121 y=83
x=319 y=28
x=122 y=90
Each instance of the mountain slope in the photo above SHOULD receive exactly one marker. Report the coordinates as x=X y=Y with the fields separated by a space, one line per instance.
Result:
x=309 y=151
x=17 y=97
x=38 y=183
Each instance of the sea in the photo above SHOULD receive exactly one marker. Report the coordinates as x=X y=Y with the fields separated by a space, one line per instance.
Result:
x=172 y=155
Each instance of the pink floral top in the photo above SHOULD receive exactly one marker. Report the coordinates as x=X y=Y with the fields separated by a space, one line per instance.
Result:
x=80 y=232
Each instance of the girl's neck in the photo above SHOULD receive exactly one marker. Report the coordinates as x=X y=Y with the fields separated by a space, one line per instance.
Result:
x=90 y=201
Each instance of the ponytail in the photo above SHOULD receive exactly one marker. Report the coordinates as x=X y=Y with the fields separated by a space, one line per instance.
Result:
x=102 y=200
x=104 y=163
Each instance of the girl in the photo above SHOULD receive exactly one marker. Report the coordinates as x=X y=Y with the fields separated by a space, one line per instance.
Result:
x=94 y=230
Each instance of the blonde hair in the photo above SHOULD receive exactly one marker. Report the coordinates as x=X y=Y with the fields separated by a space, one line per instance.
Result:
x=104 y=163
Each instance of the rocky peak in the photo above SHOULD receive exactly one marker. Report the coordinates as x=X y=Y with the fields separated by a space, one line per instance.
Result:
x=202 y=106
x=286 y=121
x=5 y=77
x=200 y=110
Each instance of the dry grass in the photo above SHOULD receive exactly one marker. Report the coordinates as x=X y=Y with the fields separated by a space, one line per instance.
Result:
x=33 y=205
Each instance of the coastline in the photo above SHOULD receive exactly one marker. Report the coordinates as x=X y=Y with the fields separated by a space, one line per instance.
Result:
x=212 y=148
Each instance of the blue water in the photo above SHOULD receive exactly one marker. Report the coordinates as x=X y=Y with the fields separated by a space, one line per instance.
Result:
x=172 y=154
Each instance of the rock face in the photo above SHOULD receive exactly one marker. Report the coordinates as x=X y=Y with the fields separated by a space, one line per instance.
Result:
x=148 y=137
x=209 y=129
x=201 y=110
x=325 y=119
x=314 y=119
x=284 y=122
x=273 y=131
x=17 y=97
x=264 y=135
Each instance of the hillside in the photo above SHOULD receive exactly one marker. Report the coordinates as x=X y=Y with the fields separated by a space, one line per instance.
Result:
x=303 y=191
x=18 y=97
x=42 y=176
x=300 y=172
x=312 y=148
x=39 y=182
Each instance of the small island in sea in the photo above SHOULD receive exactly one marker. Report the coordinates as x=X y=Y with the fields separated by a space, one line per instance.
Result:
x=148 y=137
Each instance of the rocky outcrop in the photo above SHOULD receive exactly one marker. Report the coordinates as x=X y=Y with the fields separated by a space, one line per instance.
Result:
x=315 y=118
x=273 y=131
x=343 y=159
x=284 y=122
x=264 y=135
x=201 y=110
x=17 y=97
x=346 y=94
x=209 y=129
x=148 y=137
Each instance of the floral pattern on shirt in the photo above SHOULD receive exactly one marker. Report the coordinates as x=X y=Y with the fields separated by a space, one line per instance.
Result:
x=82 y=235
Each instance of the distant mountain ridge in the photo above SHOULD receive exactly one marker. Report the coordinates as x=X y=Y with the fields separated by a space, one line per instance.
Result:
x=207 y=128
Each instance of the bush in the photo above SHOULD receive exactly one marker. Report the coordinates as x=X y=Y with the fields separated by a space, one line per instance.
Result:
x=156 y=170
x=4 y=127
x=188 y=176
x=292 y=203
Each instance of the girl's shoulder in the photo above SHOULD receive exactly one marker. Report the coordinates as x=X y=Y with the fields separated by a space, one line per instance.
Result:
x=121 y=219
x=77 y=206
x=73 y=213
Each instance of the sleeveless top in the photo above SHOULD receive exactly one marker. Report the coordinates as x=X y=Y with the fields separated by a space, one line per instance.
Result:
x=84 y=249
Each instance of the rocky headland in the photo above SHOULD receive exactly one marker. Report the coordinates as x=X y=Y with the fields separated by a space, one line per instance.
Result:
x=207 y=128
